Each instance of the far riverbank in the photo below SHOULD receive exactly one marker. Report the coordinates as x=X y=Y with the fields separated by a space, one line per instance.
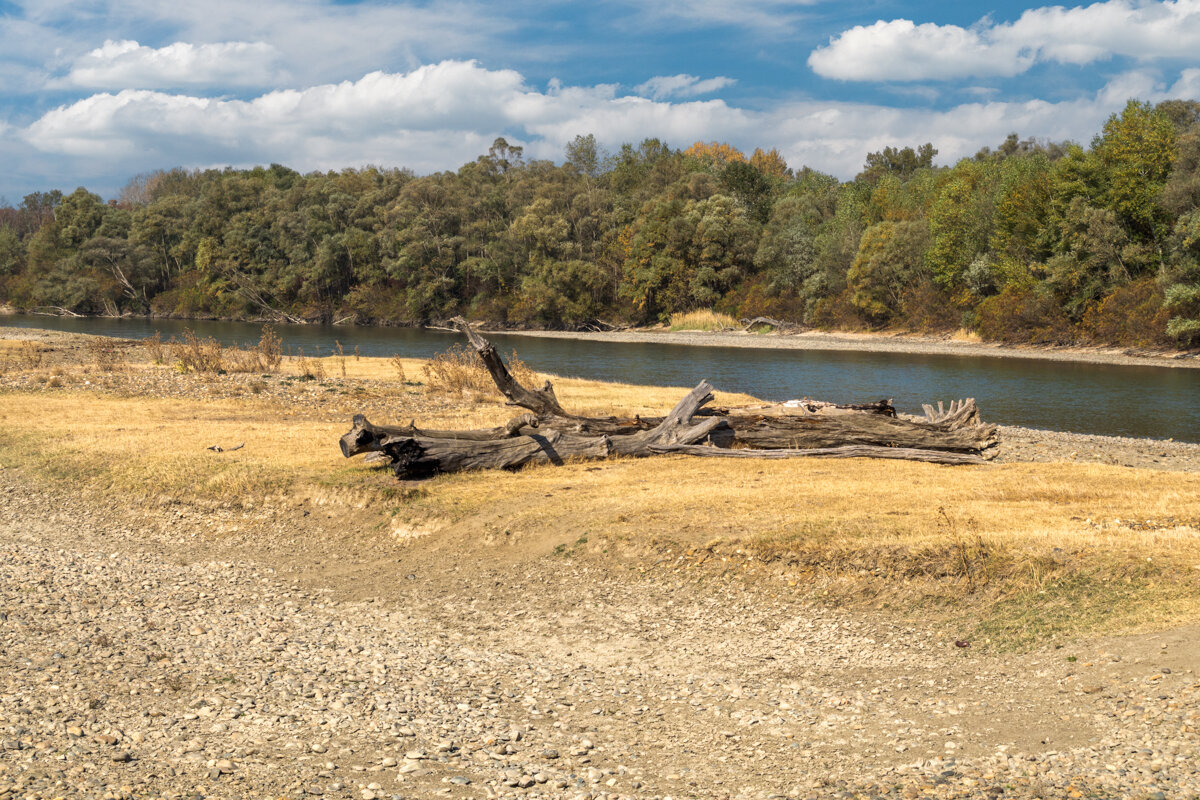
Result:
x=838 y=341
x=911 y=344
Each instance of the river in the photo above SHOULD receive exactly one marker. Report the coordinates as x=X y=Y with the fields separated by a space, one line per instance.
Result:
x=1114 y=400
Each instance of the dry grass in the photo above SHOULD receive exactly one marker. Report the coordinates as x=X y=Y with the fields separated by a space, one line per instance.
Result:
x=1012 y=552
x=460 y=372
x=704 y=319
x=194 y=354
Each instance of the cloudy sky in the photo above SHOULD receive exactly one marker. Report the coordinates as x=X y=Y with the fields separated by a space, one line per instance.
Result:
x=93 y=92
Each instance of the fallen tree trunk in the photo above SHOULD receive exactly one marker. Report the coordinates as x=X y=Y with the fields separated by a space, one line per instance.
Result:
x=550 y=434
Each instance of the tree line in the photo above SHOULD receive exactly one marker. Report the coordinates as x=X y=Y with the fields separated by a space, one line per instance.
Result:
x=1029 y=242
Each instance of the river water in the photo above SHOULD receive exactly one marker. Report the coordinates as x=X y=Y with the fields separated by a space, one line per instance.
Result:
x=1155 y=402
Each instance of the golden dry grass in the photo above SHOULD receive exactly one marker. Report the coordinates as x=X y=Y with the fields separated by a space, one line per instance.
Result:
x=1016 y=552
x=704 y=319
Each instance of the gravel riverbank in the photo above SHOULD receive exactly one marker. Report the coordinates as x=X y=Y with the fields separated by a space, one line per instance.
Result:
x=884 y=343
x=146 y=657
x=284 y=648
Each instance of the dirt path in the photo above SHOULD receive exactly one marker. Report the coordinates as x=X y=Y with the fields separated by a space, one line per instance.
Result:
x=144 y=653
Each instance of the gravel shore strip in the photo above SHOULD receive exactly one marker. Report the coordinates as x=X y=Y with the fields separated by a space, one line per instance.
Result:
x=881 y=343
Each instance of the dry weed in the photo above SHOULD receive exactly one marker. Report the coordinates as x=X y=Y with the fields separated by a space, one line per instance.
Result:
x=105 y=354
x=155 y=348
x=341 y=358
x=704 y=319
x=310 y=369
x=194 y=354
x=398 y=366
x=264 y=357
x=460 y=371
x=30 y=355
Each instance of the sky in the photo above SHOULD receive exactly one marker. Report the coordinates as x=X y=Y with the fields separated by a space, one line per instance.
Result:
x=94 y=92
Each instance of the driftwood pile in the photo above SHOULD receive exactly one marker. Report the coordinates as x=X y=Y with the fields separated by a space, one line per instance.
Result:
x=549 y=433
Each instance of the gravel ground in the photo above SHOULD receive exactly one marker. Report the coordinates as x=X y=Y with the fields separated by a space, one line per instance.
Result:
x=187 y=652
x=144 y=655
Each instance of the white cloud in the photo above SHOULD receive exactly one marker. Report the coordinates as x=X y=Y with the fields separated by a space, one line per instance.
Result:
x=442 y=115
x=775 y=17
x=129 y=65
x=313 y=40
x=899 y=50
x=663 y=86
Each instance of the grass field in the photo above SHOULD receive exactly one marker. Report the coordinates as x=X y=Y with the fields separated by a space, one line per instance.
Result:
x=1014 y=552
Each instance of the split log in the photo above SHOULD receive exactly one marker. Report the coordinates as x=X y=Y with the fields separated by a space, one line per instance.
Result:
x=415 y=453
x=846 y=451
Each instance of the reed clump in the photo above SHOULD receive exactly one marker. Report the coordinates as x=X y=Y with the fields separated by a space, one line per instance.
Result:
x=703 y=319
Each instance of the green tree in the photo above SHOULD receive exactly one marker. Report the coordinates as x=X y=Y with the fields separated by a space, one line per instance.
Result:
x=891 y=259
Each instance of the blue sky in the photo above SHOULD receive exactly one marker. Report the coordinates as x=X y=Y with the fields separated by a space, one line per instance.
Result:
x=93 y=92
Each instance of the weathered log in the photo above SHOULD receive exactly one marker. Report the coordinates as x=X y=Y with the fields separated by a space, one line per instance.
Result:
x=809 y=423
x=423 y=456
x=417 y=454
x=366 y=437
x=769 y=322
x=796 y=431
x=550 y=434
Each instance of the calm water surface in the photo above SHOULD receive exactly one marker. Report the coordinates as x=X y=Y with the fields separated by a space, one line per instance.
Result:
x=1157 y=402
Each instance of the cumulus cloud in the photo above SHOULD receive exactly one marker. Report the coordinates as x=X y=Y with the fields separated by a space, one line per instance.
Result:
x=900 y=50
x=442 y=115
x=312 y=40
x=662 y=86
x=128 y=65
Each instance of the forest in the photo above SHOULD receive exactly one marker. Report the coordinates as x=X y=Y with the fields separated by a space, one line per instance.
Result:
x=1032 y=241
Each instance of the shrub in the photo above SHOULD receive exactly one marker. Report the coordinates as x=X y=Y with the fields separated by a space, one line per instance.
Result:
x=927 y=308
x=1129 y=315
x=1021 y=314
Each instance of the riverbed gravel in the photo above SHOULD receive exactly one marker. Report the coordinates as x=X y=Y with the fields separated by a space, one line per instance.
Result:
x=148 y=656
x=174 y=652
